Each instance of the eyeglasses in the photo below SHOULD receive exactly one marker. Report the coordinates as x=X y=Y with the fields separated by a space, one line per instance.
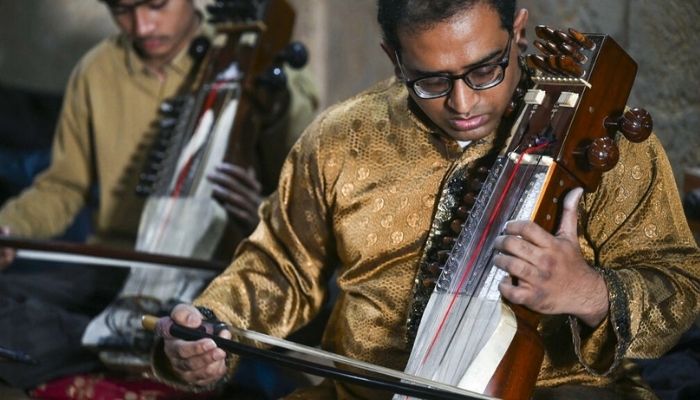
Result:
x=121 y=9
x=479 y=77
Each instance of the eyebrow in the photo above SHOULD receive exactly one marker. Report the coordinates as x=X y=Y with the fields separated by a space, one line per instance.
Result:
x=484 y=60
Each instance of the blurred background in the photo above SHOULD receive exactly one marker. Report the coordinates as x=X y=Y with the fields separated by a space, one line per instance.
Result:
x=42 y=39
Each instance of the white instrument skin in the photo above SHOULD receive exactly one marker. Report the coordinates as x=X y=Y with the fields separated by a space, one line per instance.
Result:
x=466 y=311
x=183 y=220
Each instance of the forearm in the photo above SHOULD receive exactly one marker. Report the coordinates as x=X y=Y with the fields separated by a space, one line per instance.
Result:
x=42 y=211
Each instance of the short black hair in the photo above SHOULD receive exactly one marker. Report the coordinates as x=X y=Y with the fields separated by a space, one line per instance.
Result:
x=421 y=14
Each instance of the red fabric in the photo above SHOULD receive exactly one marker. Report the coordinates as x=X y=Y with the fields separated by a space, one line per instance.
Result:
x=101 y=387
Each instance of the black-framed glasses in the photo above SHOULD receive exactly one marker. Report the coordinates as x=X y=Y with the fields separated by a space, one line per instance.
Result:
x=479 y=77
x=121 y=9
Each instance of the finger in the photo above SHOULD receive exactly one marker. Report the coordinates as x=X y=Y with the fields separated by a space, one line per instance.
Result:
x=7 y=255
x=242 y=206
x=206 y=376
x=515 y=267
x=245 y=212
x=200 y=366
x=238 y=198
x=201 y=355
x=515 y=294
x=180 y=350
x=200 y=361
x=516 y=246
x=187 y=315
x=225 y=333
x=569 y=217
x=529 y=231
x=245 y=221
x=230 y=175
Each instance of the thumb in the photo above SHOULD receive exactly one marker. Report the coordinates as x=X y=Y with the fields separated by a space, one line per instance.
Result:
x=186 y=315
x=569 y=217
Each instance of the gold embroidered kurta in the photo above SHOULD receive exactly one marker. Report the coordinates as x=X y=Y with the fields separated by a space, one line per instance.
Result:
x=358 y=194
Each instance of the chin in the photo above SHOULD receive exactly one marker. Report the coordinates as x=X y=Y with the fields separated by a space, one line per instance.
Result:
x=469 y=135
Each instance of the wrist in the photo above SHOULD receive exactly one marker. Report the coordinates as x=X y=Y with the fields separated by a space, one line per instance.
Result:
x=596 y=304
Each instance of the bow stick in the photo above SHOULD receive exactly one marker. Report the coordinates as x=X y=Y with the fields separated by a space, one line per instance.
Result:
x=58 y=251
x=384 y=379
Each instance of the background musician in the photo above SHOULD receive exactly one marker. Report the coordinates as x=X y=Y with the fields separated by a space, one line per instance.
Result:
x=360 y=189
x=105 y=127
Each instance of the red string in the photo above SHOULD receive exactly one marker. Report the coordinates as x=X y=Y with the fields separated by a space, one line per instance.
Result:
x=480 y=245
x=182 y=176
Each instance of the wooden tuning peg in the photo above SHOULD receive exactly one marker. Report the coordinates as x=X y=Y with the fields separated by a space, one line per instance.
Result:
x=569 y=66
x=581 y=39
x=199 y=47
x=561 y=37
x=448 y=242
x=462 y=212
x=603 y=153
x=456 y=225
x=565 y=65
x=536 y=61
x=636 y=124
x=433 y=268
x=547 y=48
x=469 y=199
x=545 y=32
x=574 y=52
x=295 y=55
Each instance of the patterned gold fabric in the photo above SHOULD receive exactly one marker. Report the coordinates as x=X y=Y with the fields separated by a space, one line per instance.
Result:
x=633 y=228
x=358 y=194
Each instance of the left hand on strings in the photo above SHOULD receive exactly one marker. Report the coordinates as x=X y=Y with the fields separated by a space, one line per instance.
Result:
x=239 y=192
x=552 y=275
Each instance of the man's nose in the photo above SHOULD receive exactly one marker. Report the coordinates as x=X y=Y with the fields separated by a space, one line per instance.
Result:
x=462 y=98
x=143 y=21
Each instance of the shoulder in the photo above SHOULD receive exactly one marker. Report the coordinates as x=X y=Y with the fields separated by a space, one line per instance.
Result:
x=642 y=169
x=357 y=130
x=100 y=59
x=379 y=104
x=642 y=158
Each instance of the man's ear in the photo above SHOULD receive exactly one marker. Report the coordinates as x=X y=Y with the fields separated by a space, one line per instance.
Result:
x=391 y=53
x=520 y=28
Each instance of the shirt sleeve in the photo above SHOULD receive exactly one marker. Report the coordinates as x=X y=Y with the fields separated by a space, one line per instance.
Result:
x=644 y=249
x=277 y=281
x=50 y=204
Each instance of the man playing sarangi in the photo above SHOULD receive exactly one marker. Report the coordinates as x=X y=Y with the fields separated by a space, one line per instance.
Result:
x=360 y=190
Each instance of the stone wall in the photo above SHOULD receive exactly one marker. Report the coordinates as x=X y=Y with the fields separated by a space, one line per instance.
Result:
x=43 y=40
